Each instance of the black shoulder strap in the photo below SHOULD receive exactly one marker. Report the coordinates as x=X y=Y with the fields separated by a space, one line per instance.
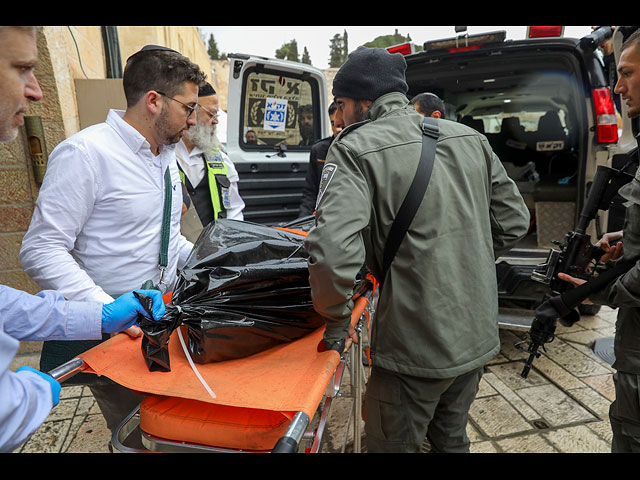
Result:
x=413 y=199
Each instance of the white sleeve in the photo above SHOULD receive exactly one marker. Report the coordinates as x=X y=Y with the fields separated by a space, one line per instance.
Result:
x=25 y=403
x=64 y=204
x=234 y=211
x=184 y=249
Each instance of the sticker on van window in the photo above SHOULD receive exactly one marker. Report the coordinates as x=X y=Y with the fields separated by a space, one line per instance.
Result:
x=275 y=114
x=550 y=146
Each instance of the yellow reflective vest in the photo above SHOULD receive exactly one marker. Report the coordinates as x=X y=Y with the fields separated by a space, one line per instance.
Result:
x=218 y=181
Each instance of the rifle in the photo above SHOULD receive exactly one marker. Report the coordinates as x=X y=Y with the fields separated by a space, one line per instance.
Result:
x=577 y=257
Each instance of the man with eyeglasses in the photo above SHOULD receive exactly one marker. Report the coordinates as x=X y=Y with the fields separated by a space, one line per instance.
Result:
x=208 y=174
x=97 y=228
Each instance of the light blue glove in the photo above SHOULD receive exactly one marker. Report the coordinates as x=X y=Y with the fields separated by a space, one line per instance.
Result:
x=123 y=312
x=55 y=386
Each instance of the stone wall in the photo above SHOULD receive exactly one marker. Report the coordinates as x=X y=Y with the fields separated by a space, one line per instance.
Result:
x=18 y=189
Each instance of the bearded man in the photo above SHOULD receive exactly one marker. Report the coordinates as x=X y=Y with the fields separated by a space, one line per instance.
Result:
x=208 y=174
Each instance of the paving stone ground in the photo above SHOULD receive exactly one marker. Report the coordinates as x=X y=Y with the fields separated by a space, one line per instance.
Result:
x=562 y=407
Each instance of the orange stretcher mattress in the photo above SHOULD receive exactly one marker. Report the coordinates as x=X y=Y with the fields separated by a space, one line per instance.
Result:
x=255 y=397
x=281 y=378
x=180 y=420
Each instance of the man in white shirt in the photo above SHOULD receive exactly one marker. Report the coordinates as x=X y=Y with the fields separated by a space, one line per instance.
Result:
x=209 y=175
x=97 y=229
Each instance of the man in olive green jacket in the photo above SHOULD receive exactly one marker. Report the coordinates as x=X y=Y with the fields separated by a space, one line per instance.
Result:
x=436 y=322
x=624 y=292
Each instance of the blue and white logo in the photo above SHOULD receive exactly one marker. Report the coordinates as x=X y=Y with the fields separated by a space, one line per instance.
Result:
x=275 y=114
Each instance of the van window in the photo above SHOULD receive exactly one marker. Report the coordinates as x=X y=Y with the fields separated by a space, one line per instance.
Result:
x=279 y=109
x=529 y=121
x=529 y=111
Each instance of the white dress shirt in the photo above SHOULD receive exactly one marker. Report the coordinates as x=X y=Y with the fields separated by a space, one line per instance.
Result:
x=96 y=228
x=193 y=167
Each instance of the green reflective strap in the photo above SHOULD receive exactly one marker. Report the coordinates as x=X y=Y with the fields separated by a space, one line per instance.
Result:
x=163 y=258
x=215 y=167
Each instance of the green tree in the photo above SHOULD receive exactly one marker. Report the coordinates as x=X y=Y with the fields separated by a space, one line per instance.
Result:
x=306 y=58
x=288 y=51
x=212 y=50
x=385 y=41
x=338 y=50
x=345 y=46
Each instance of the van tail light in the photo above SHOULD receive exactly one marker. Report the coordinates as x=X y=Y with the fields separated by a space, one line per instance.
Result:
x=464 y=49
x=404 y=48
x=542 y=32
x=606 y=120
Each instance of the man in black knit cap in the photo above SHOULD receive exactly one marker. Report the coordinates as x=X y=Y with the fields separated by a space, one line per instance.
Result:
x=436 y=323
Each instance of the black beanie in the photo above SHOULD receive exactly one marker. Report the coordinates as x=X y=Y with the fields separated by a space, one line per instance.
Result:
x=369 y=73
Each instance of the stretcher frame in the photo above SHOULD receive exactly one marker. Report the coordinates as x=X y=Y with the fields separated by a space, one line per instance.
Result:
x=298 y=430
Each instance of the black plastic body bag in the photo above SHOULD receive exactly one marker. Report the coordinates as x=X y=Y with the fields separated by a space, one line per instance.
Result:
x=244 y=289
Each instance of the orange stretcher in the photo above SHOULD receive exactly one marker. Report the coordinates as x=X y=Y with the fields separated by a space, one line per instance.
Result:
x=262 y=403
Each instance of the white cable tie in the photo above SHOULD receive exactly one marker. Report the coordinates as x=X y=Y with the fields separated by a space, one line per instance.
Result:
x=193 y=367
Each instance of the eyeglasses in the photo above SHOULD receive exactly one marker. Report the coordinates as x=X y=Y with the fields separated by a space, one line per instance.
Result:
x=209 y=112
x=190 y=108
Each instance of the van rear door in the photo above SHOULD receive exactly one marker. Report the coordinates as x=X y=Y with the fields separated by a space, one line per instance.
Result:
x=535 y=102
x=276 y=110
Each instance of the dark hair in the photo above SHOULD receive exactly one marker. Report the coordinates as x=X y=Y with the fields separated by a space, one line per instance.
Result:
x=428 y=103
x=332 y=108
x=305 y=109
x=633 y=40
x=160 y=70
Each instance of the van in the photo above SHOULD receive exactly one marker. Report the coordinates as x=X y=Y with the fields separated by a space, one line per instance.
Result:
x=544 y=103
x=276 y=110
x=548 y=111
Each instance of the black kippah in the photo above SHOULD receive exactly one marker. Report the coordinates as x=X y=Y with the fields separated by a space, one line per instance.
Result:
x=370 y=73
x=148 y=48
x=206 y=90
x=152 y=48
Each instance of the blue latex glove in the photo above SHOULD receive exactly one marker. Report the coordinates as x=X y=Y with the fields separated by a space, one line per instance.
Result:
x=55 y=386
x=123 y=312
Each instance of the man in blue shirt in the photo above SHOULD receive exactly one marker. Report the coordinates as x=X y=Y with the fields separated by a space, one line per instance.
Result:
x=28 y=395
